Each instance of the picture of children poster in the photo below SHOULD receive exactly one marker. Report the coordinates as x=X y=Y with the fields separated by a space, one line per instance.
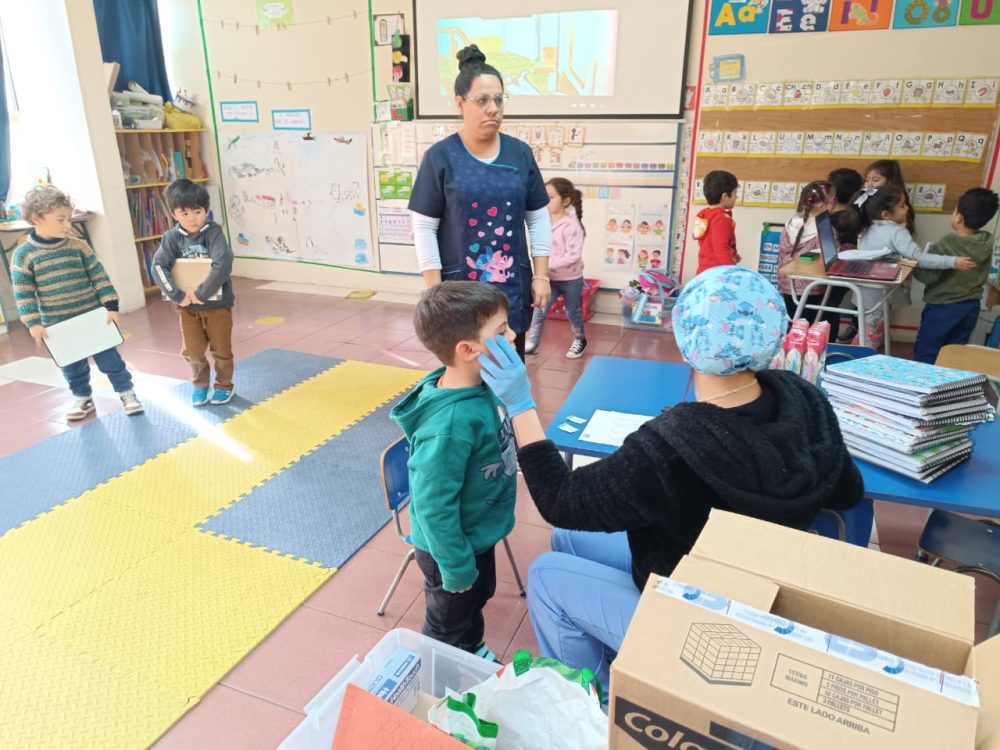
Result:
x=651 y=222
x=621 y=252
x=795 y=16
x=619 y=221
x=650 y=250
x=860 y=15
x=919 y=14
x=738 y=17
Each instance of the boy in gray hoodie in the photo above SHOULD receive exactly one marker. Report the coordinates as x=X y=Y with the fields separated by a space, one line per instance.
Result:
x=207 y=312
x=951 y=298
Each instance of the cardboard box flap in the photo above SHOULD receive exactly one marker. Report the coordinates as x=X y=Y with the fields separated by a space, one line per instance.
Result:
x=987 y=670
x=926 y=597
x=730 y=582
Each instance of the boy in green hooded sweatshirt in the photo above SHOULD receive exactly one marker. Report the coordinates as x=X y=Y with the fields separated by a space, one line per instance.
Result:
x=463 y=461
x=952 y=298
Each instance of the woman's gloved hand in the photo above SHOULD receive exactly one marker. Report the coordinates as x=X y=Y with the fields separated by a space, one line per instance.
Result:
x=506 y=374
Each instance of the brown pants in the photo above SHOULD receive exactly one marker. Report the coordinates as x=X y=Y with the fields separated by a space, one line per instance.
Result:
x=201 y=330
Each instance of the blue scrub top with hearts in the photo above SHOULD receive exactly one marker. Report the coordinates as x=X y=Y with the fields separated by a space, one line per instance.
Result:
x=482 y=235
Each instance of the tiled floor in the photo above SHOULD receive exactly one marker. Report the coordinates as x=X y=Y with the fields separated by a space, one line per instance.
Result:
x=261 y=699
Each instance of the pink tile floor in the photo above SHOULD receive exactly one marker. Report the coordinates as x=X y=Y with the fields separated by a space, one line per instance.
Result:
x=260 y=701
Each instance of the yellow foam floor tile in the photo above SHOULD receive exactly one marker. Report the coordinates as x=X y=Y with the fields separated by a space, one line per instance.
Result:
x=58 y=558
x=54 y=697
x=202 y=476
x=184 y=616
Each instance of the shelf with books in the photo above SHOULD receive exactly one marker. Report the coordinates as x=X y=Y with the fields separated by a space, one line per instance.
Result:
x=151 y=160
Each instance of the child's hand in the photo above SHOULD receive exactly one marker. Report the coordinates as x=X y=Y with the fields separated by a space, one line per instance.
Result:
x=186 y=301
x=964 y=263
x=38 y=334
x=112 y=317
x=737 y=258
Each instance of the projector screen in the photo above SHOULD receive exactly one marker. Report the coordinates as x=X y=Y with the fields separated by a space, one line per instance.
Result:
x=591 y=59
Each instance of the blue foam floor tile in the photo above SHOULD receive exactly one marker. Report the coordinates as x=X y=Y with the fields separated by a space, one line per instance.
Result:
x=324 y=507
x=64 y=466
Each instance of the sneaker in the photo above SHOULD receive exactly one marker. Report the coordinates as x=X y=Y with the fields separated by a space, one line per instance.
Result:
x=82 y=407
x=222 y=396
x=531 y=346
x=848 y=334
x=199 y=397
x=484 y=652
x=130 y=403
x=577 y=349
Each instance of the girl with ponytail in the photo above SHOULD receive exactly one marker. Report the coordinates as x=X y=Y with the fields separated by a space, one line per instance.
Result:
x=565 y=264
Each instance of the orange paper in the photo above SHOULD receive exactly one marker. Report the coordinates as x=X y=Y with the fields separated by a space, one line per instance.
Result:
x=367 y=722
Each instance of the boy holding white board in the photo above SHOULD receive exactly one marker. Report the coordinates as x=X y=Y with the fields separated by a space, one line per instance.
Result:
x=58 y=279
x=193 y=266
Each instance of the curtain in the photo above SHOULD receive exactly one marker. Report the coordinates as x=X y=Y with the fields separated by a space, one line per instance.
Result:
x=4 y=134
x=130 y=36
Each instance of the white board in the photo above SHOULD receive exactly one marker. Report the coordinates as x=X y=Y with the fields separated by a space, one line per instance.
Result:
x=81 y=336
x=299 y=200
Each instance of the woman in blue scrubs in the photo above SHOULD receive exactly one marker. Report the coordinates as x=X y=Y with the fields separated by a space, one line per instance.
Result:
x=475 y=193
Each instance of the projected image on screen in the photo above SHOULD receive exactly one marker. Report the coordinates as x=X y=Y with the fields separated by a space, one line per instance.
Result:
x=569 y=53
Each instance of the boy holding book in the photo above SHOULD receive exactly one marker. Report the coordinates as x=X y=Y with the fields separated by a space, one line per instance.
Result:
x=952 y=298
x=57 y=276
x=463 y=461
x=206 y=313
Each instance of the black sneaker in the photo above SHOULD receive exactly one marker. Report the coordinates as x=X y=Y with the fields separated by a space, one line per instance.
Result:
x=577 y=349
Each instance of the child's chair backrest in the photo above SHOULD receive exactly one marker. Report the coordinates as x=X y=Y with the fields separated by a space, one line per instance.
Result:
x=968 y=357
x=395 y=476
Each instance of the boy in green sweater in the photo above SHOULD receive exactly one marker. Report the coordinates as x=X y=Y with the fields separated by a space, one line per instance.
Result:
x=463 y=461
x=951 y=298
x=57 y=276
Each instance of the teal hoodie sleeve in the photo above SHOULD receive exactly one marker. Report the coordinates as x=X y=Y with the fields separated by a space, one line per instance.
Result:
x=437 y=474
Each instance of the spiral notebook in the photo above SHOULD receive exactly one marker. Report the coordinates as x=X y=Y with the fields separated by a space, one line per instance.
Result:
x=81 y=336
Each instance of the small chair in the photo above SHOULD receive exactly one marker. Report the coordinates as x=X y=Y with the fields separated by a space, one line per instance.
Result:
x=853 y=525
x=843 y=353
x=970 y=357
x=396 y=485
x=972 y=544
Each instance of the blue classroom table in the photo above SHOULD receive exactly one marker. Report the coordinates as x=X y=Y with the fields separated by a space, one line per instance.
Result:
x=641 y=386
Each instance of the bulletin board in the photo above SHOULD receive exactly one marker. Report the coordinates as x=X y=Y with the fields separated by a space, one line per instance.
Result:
x=778 y=135
x=627 y=177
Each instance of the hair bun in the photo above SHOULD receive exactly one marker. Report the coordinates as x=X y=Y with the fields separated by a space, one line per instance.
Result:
x=470 y=55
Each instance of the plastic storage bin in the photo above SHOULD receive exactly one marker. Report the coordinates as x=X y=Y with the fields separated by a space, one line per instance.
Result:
x=590 y=287
x=441 y=667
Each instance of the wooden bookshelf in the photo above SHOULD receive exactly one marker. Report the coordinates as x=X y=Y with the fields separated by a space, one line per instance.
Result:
x=151 y=160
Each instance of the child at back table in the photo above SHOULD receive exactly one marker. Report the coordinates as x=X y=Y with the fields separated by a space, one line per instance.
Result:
x=882 y=216
x=565 y=265
x=463 y=461
x=714 y=227
x=951 y=298
x=57 y=277
x=206 y=313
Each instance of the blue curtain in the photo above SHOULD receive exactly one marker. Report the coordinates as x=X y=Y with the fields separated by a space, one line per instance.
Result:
x=4 y=135
x=130 y=36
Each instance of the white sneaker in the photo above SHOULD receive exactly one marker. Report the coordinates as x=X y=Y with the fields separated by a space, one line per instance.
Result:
x=531 y=346
x=577 y=349
x=130 y=403
x=81 y=409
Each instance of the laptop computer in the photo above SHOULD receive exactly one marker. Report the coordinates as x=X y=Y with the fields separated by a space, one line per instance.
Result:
x=850 y=269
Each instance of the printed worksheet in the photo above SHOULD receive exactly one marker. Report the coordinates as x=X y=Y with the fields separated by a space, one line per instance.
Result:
x=856 y=93
x=826 y=93
x=797 y=94
x=612 y=427
x=918 y=93
x=755 y=193
x=790 y=142
x=876 y=143
x=928 y=197
x=768 y=96
x=742 y=95
x=736 y=142
x=847 y=143
x=784 y=193
x=817 y=143
x=715 y=96
x=982 y=92
x=710 y=142
x=763 y=142
x=939 y=145
x=970 y=146
x=886 y=92
x=908 y=144
x=949 y=92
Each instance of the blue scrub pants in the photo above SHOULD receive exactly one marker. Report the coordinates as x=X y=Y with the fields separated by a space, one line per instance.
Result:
x=581 y=598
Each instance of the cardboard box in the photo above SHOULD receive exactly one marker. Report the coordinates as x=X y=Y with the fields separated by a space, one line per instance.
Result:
x=398 y=681
x=767 y=637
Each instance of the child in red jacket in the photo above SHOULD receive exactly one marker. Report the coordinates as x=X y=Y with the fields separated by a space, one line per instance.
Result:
x=714 y=227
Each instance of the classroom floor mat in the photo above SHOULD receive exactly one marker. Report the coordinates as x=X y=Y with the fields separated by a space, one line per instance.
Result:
x=123 y=613
x=103 y=448
x=328 y=507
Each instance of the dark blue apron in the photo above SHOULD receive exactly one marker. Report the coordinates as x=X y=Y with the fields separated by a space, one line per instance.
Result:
x=489 y=200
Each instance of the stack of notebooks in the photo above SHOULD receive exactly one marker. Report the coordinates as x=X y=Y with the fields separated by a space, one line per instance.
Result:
x=908 y=417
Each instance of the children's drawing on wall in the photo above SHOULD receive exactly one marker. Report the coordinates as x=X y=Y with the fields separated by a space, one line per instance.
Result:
x=571 y=53
x=299 y=200
x=619 y=233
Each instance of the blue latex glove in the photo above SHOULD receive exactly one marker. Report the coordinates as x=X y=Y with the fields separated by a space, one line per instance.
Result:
x=507 y=376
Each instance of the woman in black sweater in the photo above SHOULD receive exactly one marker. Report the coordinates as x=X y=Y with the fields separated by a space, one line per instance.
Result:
x=760 y=442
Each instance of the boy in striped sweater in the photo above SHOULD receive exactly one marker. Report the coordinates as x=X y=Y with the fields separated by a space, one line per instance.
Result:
x=56 y=277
